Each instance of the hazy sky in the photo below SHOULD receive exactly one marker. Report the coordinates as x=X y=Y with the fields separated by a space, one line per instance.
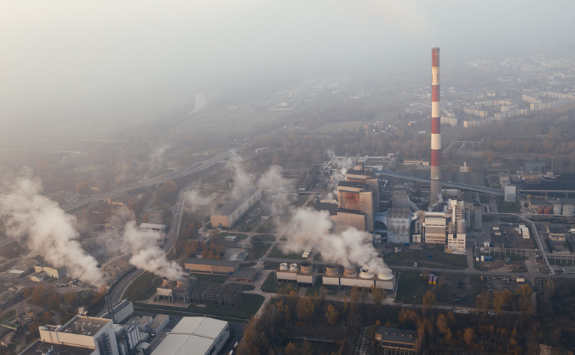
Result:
x=68 y=57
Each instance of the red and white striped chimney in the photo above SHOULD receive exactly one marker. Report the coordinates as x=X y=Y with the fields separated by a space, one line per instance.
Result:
x=435 y=129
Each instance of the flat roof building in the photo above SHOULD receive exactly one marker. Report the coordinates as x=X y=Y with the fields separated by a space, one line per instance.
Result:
x=82 y=331
x=195 y=336
x=53 y=272
x=232 y=211
x=396 y=341
x=211 y=266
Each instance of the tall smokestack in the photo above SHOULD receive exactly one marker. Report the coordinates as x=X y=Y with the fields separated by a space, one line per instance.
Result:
x=435 y=129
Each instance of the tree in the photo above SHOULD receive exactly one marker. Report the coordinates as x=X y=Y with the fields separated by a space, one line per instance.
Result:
x=378 y=295
x=47 y=317
x=331 y=315
x=442 y=324
x=484 y=301
x=469 y=336
x=428 y=299
x=291 y=349
x=304 y=309
x=425 y=273
x=501 y=300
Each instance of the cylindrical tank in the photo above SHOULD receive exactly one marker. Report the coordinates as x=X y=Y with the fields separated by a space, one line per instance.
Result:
x=293 y=267
x=478 y=218
x=540 y=210
x=557 y=209
x=284 y=267
x=366 y=274
x=306 y=268
x=332 y=270
x=568 y=210
x=350 y=272
x=548 y=210
x=461 y=226
x=385 y=274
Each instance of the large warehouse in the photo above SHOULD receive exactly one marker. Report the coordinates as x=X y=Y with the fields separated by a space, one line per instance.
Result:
x=211 y=266
x=232 y=211
x=195 y=336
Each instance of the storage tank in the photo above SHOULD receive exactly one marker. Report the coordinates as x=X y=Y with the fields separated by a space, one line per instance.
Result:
x=366 y=274
x=350 y=272
x=557 y=209
x=306 y=268
x=461 y=226
x=478 y=218
x=548 y=210
x=385 y=275
x=568 y=210
x=332 y=270
x=284 y=267
x=292 y=267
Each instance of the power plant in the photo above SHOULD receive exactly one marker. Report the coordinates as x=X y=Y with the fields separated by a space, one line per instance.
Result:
x=435 y=130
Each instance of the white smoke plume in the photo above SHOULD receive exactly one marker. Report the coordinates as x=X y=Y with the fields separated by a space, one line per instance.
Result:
x=342 y=165
x=242 y=180
x=273 y=183
x=309 y=229
x=194 y=202
x=157 y=159
x=40 y=224
x=146 y=254
x=142 y=244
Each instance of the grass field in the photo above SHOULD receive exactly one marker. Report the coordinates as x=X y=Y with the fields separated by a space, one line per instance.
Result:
x=141 y=284
x=507 y=207
x=264 y=238
x=277 y=253
x=249 y=306
x=267 y=226
x=271 y=265
x=218 y=279
x=440 y=259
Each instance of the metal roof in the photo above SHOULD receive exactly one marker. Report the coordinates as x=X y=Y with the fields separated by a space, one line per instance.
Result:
x=234 y=203
x=219 y=262
x=191 y=336
x=396 y=335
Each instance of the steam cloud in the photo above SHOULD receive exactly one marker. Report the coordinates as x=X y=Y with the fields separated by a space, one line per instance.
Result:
x=306 y=228
x=146 y=255
x=342 y=166
x=142 y=244
x=40 y=224
x=310 y=228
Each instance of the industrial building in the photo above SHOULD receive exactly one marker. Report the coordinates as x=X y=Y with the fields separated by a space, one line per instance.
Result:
x=394 y=226
x=121 y=310
x=229 y=295
x=333 y=277
x=235 y=208
x=56 y=273
x=97 y=334
x=245 y=274
x=448 y=227
x=155 y=227
x=211 y=266
x=195 y=336
x=175 y=291
x=41 y=348
x=396 y=341
x=304 y=275
x=357 y=200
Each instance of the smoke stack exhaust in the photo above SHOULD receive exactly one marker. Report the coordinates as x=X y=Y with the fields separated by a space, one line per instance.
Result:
x=435 y=129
